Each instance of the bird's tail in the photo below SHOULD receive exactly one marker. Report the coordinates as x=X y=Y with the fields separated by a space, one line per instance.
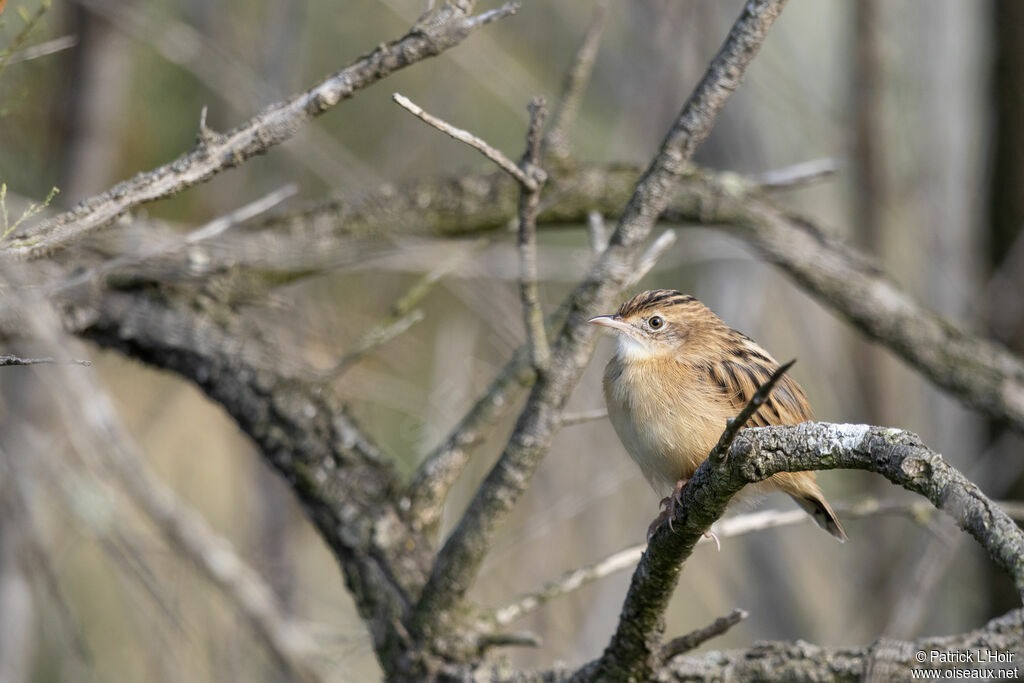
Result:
x=821 y=512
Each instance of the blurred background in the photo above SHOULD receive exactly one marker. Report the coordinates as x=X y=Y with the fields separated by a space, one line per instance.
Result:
x=922 y=101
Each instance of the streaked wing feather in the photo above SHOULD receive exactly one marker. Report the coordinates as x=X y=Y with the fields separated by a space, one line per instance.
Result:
x=743 y=374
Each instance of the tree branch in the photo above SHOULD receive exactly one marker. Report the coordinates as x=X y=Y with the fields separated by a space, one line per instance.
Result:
x=529 y=204
x=216 y=153
x=798 y=175
x=757 y=454
x=467 y=138
x=459 y=560
x=696 y=638
x=568 y=583
x=7 y=360
x=883 y=660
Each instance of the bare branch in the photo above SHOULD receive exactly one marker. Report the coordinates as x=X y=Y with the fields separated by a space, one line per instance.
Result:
x=650 y=257
x=570 y=419
x=43 y=49
x=883 y=660
x=734 y=425
x=459 y=560
x=30 y=23
x=7 y=360
x=513 y=639
x=377 y=337
x=257 y=135
x=557 y=139
x=403 y=315
x=568 y=583
x=529 y=203
x=799 y=175
x=694 y=639
x=758 y=453
x=465 y=137
x=598 y=232
x=301 y=429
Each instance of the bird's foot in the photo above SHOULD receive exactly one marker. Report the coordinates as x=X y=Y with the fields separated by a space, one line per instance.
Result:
x=668 y=505
x=711 y=534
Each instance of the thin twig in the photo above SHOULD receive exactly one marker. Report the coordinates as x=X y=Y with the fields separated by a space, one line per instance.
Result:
x=380 y=335
x=557 y=139
x=402 y=315
x=467 y=138
x=798 y=175
x=529 y=202
x=513 y=639
x=570 y=419
x=597 y=231
x=569 y=582
x=30 y=23
x=651 y=256
x=696 y=638
x=734 y=425
x=6 y=360
x=43 y=49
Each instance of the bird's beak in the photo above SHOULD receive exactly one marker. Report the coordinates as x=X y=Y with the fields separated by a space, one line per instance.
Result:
x=612 y=321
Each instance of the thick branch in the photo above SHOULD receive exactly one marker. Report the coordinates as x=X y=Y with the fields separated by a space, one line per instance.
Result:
x=300 y=429
x=216 y=153
x=883 y=660
x=460 y=558
x=755 y=455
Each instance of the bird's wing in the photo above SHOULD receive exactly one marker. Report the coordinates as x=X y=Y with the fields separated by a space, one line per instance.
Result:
x=741 y=373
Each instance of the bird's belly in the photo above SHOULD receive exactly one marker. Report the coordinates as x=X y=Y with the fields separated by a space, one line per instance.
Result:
x=666 y=448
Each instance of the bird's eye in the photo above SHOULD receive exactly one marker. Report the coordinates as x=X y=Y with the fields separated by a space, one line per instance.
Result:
x=655 y=322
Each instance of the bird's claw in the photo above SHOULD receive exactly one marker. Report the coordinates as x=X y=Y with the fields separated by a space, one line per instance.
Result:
x=668 y=505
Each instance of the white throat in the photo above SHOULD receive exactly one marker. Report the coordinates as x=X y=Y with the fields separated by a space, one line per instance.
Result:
x=633 y=349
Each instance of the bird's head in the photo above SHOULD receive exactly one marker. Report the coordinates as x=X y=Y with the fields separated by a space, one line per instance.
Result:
x=655 y=323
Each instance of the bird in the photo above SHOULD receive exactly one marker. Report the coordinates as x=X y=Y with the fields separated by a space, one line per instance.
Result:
x=677 y=375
